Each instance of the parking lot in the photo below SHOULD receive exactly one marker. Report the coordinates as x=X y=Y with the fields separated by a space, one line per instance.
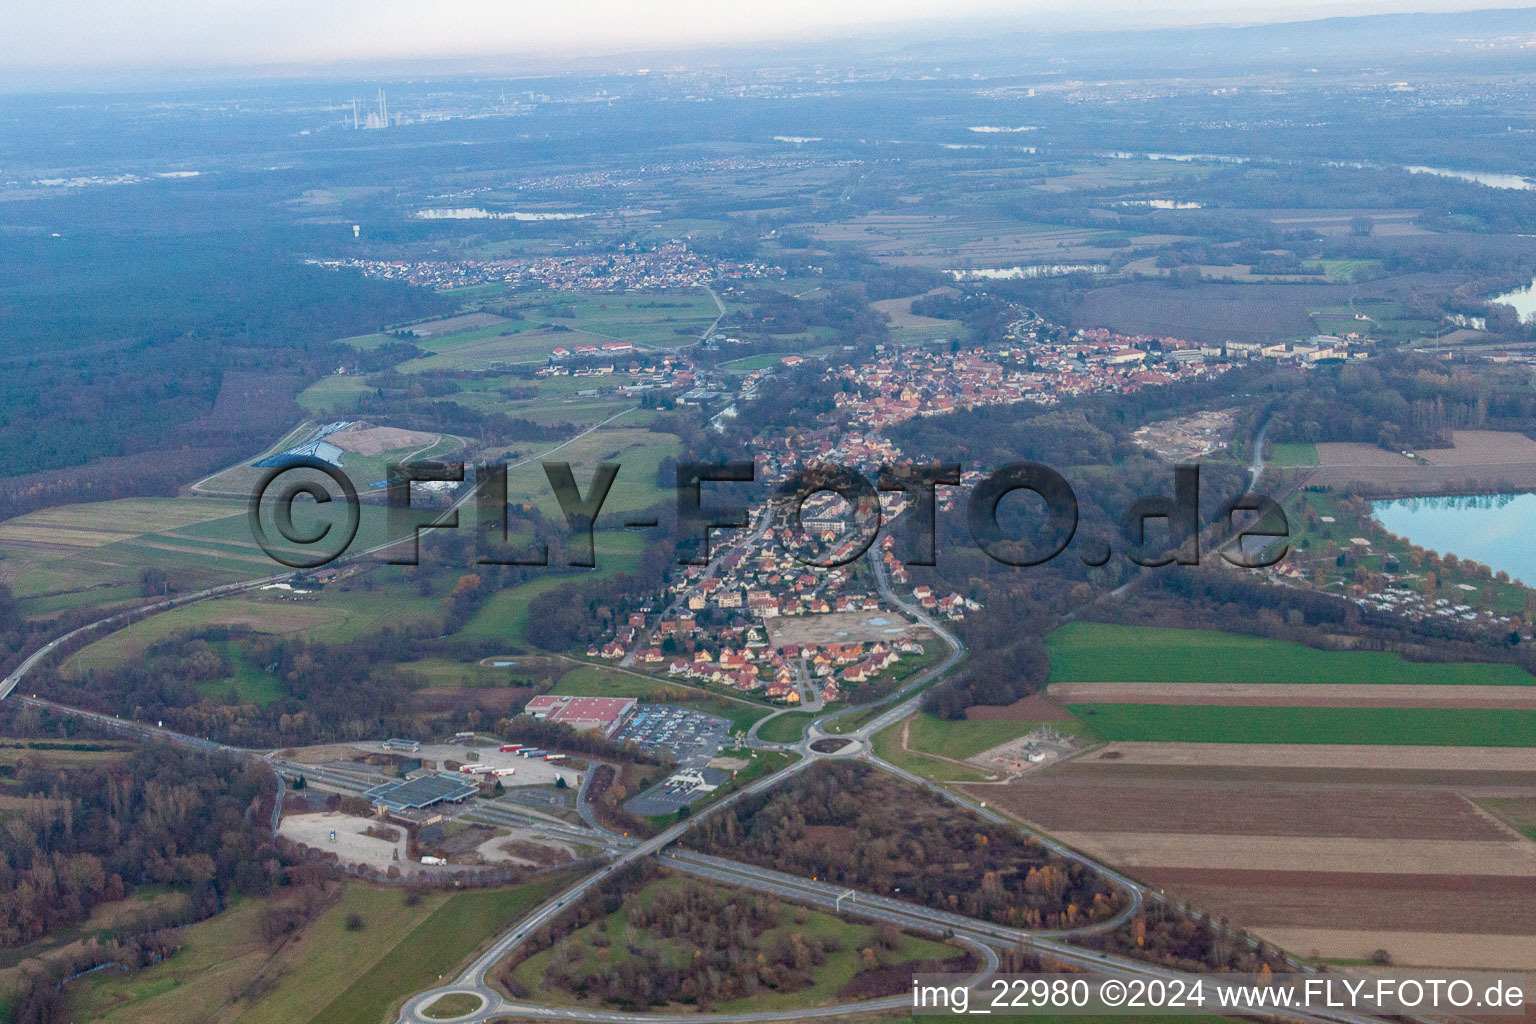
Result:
x=529 y=772
x=694 y=739
x=350 y=845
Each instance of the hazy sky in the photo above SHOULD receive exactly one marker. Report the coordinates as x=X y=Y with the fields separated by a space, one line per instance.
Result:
x=67 y=35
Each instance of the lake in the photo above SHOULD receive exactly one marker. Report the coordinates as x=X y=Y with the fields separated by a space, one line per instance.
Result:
x=1492 y=179
x=1523 y=299
x=1495 y=529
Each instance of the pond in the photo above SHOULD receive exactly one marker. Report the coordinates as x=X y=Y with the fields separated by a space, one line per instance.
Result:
x=1495 y=529
x=1523 y=299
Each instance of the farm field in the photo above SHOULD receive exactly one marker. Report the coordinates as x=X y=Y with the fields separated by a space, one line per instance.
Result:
x=1322 y=800
x=1209 y=311
x=59 y=754
x=73 y=555
x=1286 y=453
x=1517 y=812
x=93 y=554
x=1097 y=652
x=965 y=240
x=1326 y=760
x=482 y=350
x=657 y=319
x=1331 y=852
x=639 y=454
x=1479 y=460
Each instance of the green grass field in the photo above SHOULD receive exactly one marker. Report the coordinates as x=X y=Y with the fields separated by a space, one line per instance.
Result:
x=887 y=746
x=454 y=1004
x=1450 y=727
x=477 y=350
x=332 y=616
x=962 y=739
x=248 y=682
x=453 y=933
x=1096 y=652
x=504 y=615
x=333 y=394
x=750 y=363
x=1519 y=812
x=786 y=728
x=327 y=973
x=659 y=319
x=1285 y=453
x=846 y=723
x=1341 y=269
x=639 y=454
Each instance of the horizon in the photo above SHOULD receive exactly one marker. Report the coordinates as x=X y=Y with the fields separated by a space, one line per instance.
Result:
x=471 y=39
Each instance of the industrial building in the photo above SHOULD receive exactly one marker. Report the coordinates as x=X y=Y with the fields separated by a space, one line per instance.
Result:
x=418 y=793
x=606 y=715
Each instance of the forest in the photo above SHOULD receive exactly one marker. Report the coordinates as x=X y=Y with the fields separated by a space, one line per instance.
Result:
x=849 y=824
x=183 y=355
x=1402 y=400
x=162 y=816
x=1169 y=935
